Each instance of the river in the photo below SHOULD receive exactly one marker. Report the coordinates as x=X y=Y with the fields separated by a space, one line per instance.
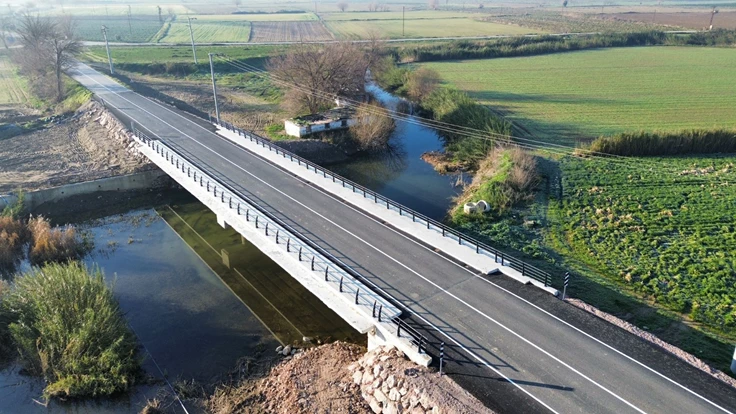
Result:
x=200 y=297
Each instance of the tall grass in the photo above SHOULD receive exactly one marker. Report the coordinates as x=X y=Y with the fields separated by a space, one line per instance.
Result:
x=457 y=108
x=14 y=235
x=645 y=144
x=504 y=178
x=54 y=244
x=69 y=328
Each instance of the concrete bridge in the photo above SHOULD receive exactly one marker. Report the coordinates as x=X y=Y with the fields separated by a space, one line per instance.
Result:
x=379 y=265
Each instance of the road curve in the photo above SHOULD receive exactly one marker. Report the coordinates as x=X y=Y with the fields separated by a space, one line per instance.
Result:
x=532 y=360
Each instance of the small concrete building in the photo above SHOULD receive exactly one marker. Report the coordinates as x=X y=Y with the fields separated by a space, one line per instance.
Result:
x=337 y=118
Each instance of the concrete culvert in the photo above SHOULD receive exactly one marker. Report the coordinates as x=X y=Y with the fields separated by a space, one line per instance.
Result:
x=483 y=206
x=469 y=208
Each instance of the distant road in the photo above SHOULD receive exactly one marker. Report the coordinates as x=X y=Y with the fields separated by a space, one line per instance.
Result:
x=417 y=39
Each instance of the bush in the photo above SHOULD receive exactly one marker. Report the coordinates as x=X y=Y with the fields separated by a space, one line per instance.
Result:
x=665 y=143
x=69 y=329
x=373 y=127
x=54 y=245
x=457 y=108
x=13 y=236
x=6 y=341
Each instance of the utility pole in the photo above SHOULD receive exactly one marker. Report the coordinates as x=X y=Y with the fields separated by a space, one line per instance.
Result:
x=712 y=15
x=191 y=34
x=130 y=28
x=107 y=47
x=403 y=9
x=214 y=88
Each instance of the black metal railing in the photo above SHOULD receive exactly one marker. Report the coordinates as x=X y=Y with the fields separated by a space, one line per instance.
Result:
x=481 y=248
x=335 y=273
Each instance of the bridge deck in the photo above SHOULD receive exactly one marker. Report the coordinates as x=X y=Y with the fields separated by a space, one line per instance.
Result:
x=552 y=365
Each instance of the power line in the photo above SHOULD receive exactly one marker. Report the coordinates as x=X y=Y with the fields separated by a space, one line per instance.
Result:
x=521 y=142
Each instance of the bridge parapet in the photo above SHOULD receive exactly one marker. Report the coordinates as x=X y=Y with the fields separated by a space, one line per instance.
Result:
x=355 y=298
x=463 y=247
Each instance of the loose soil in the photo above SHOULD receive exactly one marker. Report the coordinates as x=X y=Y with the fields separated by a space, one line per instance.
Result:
x=289 y=32
x=75 y=149
x=689 y=20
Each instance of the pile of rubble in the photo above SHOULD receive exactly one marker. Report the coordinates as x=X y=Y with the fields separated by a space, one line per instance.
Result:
x=390 y=384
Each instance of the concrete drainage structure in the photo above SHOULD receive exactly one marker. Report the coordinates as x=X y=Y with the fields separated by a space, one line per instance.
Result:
x=480 y=207
x=341 y=289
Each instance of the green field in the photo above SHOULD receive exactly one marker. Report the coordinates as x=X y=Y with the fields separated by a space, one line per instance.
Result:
x=351 y=29
x=664 y=227
x=566 y=97
x=209 y=31
x=141 y=29
x=164 y=54
x=13 y=88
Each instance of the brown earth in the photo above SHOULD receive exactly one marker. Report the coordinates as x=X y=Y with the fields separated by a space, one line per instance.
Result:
x=289 y=31
x=73 y=150
x=690 y=20
x=330 y=379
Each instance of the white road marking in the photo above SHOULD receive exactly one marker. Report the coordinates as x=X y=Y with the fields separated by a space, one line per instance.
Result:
x=411 y=270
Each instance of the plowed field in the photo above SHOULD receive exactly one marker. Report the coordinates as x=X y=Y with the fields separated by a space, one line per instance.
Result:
x=289 y=31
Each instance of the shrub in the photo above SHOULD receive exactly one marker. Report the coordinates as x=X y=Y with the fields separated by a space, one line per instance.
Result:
x=421 y=82
x=666 y=143
x=373 y=127
x=13 y=236
x=54 y=244
x=69 y=329
x=6 y=341
x=14 y=209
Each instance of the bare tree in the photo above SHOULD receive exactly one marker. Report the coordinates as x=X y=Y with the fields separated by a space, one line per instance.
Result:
x=421 y=83
x=6 y=25
x=317 y=74
x=49 y=46
x=342 y=5
x=373 y=127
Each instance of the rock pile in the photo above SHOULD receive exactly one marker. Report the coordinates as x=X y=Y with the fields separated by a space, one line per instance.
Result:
x=392 y=384
x=116 y=130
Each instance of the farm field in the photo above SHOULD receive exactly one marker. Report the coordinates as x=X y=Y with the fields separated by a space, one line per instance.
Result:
x=289 y=31
x=259 y=17
x=422 y=28
x=568 y=97
x=113 y=10
x=160 y=54
x=141 y=29
x=395 y=15
x=554 y=21
x=210 y=31
x=663 y=227
x=690 y=20
x=12 y=88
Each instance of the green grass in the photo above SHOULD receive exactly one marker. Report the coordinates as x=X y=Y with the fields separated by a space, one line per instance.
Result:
x=141 y=29
x=159 y=54
x=664 y=230
x=581 y=95
x=13 y=88
x=422 y=28
x=210 y=31
x=69 y=329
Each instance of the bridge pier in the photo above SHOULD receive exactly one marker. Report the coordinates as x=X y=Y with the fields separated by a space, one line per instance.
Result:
x=221 y=221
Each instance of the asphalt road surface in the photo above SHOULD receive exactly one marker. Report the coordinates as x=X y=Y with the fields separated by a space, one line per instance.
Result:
x=523 y=355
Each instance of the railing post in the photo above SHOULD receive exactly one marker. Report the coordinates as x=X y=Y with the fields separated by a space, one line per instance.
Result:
x=373 y=312
x=327 y=270
x=341 y=277
x=288 y=245
x=277 y=235
x=380 y=310
x=266 y=228
x=442 y=356
x=523 y=268
x=247 y=214
x=357 y=292
x=300 y=253
x=256 y=221
x=398 y=329
x=313 y=263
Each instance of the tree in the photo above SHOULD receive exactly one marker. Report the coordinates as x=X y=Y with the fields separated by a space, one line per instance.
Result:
x=342 y=5
x=564 y=3
x=432 y=4
x=50 y=46
x=160 y=17
x=373 y=127
x=317 y=74
x=421 y=83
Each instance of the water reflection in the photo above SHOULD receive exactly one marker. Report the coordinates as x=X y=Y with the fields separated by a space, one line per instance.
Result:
x=399 y=173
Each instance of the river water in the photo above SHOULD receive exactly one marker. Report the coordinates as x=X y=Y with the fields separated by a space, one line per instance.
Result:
x=200 y=297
